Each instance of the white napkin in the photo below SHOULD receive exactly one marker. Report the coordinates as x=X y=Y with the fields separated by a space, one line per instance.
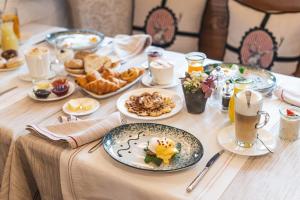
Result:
x=78 y=133
x=288 y=96
x=126 y=47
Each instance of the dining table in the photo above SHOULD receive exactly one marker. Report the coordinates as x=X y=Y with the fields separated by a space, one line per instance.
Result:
x=32 y=167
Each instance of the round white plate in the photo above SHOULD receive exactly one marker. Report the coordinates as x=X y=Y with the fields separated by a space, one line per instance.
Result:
x=28 y=78
x=96 y=106
x=10 y=69
x=226 y=139
x=166 y=93
x=147 y=81
x=52 y=96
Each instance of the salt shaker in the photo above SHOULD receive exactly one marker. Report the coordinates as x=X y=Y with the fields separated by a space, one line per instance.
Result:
x=289 y=123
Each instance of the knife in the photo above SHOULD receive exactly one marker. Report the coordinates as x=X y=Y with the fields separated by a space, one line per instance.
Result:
x=199 y=177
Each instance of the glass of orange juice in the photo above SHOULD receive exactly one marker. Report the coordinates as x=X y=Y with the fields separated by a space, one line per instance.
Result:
x=195 y=61
x=11 y=15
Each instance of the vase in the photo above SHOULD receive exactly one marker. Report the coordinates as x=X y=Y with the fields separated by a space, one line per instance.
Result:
x=195 y=101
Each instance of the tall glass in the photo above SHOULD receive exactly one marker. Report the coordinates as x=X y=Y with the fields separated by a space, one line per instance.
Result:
x=248 y=114
x=195 y=61
x=11 y=15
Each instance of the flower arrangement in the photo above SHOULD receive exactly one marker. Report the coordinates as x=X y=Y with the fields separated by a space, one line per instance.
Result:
x=198 y=81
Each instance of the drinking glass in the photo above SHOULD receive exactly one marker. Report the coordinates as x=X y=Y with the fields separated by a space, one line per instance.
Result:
x=10 y=14
x=195 y=61
x=248 y=115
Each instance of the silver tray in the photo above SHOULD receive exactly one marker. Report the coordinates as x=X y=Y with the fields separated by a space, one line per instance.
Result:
x=263 y=81
x=76 y=39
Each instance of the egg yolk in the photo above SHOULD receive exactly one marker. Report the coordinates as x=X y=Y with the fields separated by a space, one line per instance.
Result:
x=165 y=151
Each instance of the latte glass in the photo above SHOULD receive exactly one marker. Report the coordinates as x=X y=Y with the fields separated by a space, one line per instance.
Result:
x=248 y=115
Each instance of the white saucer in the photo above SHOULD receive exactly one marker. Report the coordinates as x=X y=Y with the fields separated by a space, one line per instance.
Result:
x=52 y=96
x=28 y=78
x=147 y=81
x=82 y=113
x=226 y=138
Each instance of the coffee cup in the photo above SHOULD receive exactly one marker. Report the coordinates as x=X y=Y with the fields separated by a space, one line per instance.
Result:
x=248 y=114
x=162 y=72
x=38 y=61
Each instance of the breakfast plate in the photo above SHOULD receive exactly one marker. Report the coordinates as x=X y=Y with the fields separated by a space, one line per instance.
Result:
x=172 y=96
x=126 y=145
x=112 y=93
x=147 y=81
x=52 y=96
x=226 y=139
x=76 y=39
x=263 y=80
x=81 y=106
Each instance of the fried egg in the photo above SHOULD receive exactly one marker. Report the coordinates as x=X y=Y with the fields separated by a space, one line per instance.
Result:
x=164 y=148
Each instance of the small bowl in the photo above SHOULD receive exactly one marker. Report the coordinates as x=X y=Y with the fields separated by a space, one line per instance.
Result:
x=41 y=93
x=61 y=90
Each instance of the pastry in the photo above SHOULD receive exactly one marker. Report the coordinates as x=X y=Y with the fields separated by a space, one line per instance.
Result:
x=75 y=71
x=120 y=83
x=105 y=73
x=101 y=86
x=82 y=54
x=2 y=63
x=93 y=76
x=131 y=74
x=14 y=62
x=8 y=54
x=81 y=81
x=74 y=64
x=92 y=63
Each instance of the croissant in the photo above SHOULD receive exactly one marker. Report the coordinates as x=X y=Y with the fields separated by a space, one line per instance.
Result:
x=131 y=74
x=101 y=86
x=117 y=81
x=81 y=81
x=93 y=76
x=105 y=73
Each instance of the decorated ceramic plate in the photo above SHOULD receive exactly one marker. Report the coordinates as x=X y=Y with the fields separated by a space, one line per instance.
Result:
x=263 y=80
x=76 y=39
x=112 y=93
x=177 y=100
x=126 y=145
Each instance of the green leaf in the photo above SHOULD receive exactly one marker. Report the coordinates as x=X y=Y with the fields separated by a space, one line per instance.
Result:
x=242 y=70
x=153 y=159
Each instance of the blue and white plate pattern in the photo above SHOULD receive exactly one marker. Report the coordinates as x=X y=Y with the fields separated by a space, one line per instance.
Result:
x=126 y=145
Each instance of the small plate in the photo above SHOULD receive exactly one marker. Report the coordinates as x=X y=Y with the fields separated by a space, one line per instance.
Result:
x=28 y=78
x=96 y=105
x=52 y=96
x=166 y=93
x=147 y=81
x=226 y=139
x=126 y=145
x=10 y=69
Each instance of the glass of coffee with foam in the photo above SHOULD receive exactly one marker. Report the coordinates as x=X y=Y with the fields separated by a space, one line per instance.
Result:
x=248 y=117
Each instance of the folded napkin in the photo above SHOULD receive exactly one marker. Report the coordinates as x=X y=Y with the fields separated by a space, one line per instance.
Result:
x=126 y=47
x=78 y=133
x=288 y=96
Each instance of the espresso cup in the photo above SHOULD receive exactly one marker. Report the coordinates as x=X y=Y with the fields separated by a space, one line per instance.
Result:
x=162 y=72
x=248 y=114
x=38 y=61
